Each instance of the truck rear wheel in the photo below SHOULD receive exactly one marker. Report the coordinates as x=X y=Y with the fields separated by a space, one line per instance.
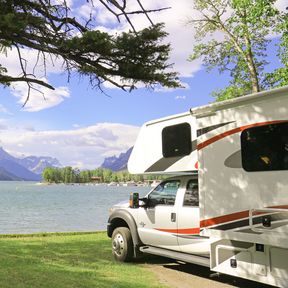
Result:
x=122 y=244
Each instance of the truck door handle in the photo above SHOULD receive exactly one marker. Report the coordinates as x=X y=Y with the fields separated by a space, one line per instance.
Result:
x=173 y=217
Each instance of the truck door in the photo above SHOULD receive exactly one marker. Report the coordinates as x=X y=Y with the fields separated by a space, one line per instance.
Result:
x=188 y=222
x=156 y=222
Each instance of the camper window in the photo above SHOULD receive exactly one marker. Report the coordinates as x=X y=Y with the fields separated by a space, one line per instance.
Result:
x=265 y=148
x=176 y=140
x=191 y=197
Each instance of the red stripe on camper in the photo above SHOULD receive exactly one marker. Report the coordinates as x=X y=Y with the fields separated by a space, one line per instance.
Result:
x=235 y=130
x=187 y=231
x=218 y=220
x=279 y=207
x=234 y=216
x=224 y=219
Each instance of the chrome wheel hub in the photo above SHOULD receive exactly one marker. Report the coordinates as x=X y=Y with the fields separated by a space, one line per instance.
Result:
x=118 y=244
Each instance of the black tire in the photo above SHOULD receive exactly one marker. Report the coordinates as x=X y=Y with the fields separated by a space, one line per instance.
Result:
x=122 y=244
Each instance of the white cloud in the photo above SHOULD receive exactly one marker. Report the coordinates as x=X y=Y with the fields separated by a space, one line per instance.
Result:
x=29 y=128
x=4 y=110
x=98 y=11
x=281 y=5
x=179 y=97
x=180 y=35
x=69 y=3
x=83 y=147
x=3 y=125
x=39 y=99
x=11 y=62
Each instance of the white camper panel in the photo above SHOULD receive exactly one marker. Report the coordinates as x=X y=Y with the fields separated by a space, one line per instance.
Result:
x=243 y=185
x=241 y=146
x=232 y=184
x=166 y=145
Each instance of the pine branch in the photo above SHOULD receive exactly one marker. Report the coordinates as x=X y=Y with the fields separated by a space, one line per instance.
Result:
x=9 y=79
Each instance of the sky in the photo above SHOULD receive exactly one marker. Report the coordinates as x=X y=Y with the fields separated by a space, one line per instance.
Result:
x=79 y=125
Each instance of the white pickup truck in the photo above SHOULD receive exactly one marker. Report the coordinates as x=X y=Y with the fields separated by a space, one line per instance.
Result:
x=236 y=223
x=165 y=222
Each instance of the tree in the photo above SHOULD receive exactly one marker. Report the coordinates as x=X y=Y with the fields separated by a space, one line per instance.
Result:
x=47 y=174
x=107 y=175
x=85 y=176
x=279 y=77
x=52 y=175
x=243 y=26
x=68 y=175
x=74 y=175
x=50 y=28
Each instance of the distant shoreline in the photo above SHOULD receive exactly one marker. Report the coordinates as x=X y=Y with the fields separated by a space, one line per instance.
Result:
x=110 y=184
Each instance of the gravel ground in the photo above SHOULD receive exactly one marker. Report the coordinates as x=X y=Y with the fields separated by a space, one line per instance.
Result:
x=183 y=275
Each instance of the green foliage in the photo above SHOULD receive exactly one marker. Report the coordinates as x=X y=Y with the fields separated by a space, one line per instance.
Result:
x=229 y=92
x=134 y=56
x=279 y=77
x=74 y=175
x=243 y=26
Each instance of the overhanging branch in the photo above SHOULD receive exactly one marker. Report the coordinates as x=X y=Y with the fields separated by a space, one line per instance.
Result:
x=8 y=79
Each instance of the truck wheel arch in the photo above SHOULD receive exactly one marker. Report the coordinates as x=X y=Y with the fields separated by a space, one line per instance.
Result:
x=122 y=218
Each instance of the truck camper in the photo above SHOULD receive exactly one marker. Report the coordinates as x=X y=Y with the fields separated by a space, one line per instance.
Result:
x=226 y=207
x=164 y=146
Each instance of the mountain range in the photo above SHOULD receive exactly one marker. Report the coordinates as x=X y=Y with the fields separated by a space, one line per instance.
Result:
x=28 y=168
x=119 y=163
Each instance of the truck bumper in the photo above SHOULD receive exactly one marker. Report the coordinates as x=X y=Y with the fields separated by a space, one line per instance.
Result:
x=109 y=230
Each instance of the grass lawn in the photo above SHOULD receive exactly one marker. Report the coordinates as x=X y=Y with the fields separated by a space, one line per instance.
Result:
x=66 y=260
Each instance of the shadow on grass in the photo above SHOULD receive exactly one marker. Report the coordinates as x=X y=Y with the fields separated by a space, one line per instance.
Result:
x=67 y=261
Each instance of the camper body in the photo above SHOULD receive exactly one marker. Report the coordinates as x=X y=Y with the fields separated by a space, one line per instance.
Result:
x=237 y=153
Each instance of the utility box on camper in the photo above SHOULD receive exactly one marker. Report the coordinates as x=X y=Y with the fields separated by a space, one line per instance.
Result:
x=230 y=210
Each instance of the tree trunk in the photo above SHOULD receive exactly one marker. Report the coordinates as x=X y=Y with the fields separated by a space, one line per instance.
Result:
x=250 y=57
x=251 y=67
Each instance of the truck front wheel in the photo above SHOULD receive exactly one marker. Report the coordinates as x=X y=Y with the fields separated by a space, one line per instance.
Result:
x=122 y=244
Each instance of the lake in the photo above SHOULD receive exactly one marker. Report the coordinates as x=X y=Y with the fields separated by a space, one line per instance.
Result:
x=26 y=207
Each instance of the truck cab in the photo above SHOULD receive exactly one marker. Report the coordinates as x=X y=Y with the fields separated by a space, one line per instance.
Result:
x=166 y=218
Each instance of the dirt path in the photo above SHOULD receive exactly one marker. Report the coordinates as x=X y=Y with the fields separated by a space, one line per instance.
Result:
x=182 y=275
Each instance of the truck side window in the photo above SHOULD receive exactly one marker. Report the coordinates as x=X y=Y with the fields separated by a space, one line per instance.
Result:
x=164 y=193
x=265 y=148
x=191 y=197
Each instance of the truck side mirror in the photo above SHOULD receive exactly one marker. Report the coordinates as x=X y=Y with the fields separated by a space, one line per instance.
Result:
x=134 y=200
x=145 y=202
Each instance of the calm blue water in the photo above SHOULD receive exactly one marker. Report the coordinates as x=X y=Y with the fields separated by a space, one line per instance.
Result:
x=28 y=208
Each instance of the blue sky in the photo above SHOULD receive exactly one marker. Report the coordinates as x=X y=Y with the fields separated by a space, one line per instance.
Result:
x=80 y=125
